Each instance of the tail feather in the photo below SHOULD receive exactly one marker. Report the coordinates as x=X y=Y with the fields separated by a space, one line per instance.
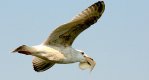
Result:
x=23 y=50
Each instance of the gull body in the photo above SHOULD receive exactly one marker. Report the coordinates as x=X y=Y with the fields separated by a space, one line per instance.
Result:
x=57 y=48
x=60 y=55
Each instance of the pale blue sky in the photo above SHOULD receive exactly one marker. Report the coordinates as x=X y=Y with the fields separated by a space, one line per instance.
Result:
x=118 y=42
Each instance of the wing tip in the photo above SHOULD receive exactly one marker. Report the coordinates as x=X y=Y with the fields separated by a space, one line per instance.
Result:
x=100 y=6
x=99 y=2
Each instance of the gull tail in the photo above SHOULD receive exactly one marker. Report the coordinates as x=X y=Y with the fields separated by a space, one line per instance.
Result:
x=24 y=50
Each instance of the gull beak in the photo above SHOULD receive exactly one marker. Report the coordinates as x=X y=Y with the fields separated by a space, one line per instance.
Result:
x=89 y=64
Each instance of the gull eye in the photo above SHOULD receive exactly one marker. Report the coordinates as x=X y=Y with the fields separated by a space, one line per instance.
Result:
x=82 y=53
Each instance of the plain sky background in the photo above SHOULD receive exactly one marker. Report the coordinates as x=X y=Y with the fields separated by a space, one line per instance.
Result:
x=118 y=42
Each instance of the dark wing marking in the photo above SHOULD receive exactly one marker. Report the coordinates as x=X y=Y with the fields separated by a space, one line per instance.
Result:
x=66 y=34
x=41 y=65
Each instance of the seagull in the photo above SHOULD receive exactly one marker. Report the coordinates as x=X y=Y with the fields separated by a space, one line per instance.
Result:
x=57 y=49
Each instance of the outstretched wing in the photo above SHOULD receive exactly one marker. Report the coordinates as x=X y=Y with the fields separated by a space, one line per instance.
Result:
x=66 y=34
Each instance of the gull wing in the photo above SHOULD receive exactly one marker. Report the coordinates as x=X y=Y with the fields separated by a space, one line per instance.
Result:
x=41 y=65
x=65 y=34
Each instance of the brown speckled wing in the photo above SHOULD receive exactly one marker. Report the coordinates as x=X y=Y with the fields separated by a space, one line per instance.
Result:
x=66 y=34
x=41 y=65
